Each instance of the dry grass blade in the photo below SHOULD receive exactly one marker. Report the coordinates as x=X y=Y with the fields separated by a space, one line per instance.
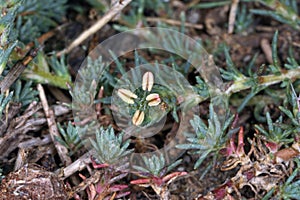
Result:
x=232 y=15
x=115 y=10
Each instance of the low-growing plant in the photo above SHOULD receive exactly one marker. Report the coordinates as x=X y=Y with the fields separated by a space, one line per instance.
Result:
x=71 y=137
x=110 y=161
x=207 y=139
x=155 y=173
x=261 y=158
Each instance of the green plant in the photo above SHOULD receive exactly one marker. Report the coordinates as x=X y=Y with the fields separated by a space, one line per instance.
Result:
x=211 y=4
x=255 y=80
x=105 y=185
x=243 y=19
x=291 y=188
x=25 y=13
x=24 y=93
x=36 y=17
x=111 y=165
x=207 y=139
x=284 y=11
x=110 y=148
x=277 y=135
x=83 y=93
x=155 y=173
x=282 y=132
x=53 y=71
x=137 y=12
x=71 y=137
x=259 y=160
x=7 y=32
x=4 y=100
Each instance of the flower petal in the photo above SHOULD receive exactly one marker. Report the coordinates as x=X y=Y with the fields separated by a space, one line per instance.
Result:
x=138 y=117
x=153 y=99
x=127 y=96
x=148 y=81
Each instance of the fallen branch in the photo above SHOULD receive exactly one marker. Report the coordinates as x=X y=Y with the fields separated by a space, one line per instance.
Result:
x=76 y=166
x=61 y=150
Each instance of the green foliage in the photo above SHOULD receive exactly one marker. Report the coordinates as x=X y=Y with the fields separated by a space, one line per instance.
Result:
x=137 y=11
x=71 y=137
x=4 y=55
x=6 y=22
x=109 y=147
x=232 y=73
x=207 y=139
x=291 y=61
x=212 y=4
x=24 y=93
x=53 y=71
x=201 y=88
x=4 y=100
x=32 y=18
x=255 y=80
x=284 y=11
x=292 y=111
x=276 y=132
x=156 y=165
x=275 y=67
x=38 y=16
x=243 y=19
x=291 y=188
x=88 y=77
x=7 y=32
x=44 y=14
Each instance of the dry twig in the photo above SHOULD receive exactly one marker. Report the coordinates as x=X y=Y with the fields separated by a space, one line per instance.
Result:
x=62 y=150
x=77 y=165
x=114 y=11
x=266 y=47
x=17 y=70
x=232 y=15
x=174 y=22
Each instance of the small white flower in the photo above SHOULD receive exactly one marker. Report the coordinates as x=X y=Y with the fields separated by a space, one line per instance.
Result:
x=127 y=96
x=153 y=99
x=148 y=81
x=138 y=117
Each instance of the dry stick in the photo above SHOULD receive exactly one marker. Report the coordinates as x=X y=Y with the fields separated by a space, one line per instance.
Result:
x=267 y=49
x=21 y=158
x=99 y=105
x=61 y=150
x=174 y=22
x=77 y=165
x=232 y=15
x=17 y=70
x=296 y=44
x=24 y=146
x=98 y=25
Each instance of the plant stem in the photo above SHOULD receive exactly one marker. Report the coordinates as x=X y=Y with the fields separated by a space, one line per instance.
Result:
x=249 y=82
x=246 y=83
